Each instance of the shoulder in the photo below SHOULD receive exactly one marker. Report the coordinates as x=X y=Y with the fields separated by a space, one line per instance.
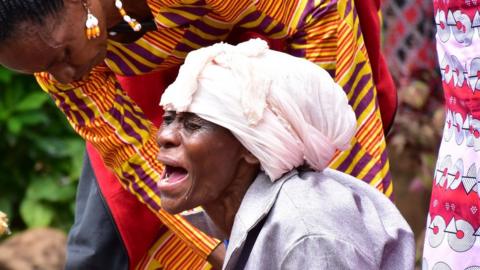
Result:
x=328 y=195
x=337 y=212
x=335 y=195
x=316 y=203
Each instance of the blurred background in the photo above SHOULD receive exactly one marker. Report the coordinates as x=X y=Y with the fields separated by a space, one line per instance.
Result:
x=413 y=141
x=42 y=156
x=39 y=170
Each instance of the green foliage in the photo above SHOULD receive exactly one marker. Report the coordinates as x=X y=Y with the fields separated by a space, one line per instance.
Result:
x=41 y=159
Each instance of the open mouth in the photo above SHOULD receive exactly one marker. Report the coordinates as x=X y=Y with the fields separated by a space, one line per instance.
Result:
x=173 y=174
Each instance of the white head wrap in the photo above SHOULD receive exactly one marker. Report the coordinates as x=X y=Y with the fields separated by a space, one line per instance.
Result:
x=285 y=110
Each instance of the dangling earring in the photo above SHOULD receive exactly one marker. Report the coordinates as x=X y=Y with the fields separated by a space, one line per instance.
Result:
x=131 y=21
x=92 y=29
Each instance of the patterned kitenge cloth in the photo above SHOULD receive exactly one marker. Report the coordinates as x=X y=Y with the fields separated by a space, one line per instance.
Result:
x=453 y=225
x=326 y=32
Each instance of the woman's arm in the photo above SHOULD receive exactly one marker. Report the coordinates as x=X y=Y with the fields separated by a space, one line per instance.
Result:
x=101 y=112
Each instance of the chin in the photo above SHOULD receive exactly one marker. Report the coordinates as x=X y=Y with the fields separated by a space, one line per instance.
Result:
x=174 y=206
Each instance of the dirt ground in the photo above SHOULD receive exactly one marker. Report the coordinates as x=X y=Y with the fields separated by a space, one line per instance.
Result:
x=36 y=249
x=412 y=146
x=413 y=204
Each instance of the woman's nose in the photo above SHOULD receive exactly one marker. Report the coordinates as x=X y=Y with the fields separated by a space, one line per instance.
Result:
x=168 y=137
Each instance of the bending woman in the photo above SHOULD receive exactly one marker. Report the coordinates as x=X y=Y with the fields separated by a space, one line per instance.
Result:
x=248 y=134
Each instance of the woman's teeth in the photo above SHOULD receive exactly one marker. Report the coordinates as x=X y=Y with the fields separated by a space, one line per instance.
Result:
x=165 y=178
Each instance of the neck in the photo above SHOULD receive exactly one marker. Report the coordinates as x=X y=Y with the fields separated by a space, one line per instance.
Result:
x=223 y=210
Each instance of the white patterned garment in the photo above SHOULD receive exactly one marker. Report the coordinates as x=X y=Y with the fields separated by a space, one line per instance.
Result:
x=453 y=226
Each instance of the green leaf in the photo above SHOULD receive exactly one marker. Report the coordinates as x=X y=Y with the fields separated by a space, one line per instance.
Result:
x=55 y=147
x=32 y=101
x=32 y=118
x=5 y=75
x=61 y=147
x=6 y=206
x=14 y=94
x=35 y=213
x=14 y=125
x=76 y=150
x=72 y=206
x=4 y=114
x=44 y=156
x=50 y=190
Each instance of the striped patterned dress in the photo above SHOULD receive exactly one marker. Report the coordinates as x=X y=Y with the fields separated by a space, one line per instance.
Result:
x=326 y=32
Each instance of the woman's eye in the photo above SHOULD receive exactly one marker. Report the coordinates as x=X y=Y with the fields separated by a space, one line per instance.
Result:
x=167 y=119
x=191 y=125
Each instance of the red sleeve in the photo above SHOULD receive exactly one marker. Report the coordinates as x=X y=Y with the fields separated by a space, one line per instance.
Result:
x=368 y=12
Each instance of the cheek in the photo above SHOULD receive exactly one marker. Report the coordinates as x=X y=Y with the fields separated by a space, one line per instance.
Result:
x=85 y=51
x=214 y=168
x=226 y=158
x=88 y=55
x=223 y=161
x=218 y=157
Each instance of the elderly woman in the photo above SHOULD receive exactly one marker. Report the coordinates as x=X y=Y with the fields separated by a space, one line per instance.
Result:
x=247 y=134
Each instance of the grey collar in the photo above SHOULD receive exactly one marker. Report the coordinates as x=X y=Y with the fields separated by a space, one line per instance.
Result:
x=256 y=204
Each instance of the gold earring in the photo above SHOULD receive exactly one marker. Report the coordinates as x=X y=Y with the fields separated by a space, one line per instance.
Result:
x=92 y=29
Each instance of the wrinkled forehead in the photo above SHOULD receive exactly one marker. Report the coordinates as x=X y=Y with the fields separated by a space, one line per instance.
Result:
x=185 y=116
x=199 y=119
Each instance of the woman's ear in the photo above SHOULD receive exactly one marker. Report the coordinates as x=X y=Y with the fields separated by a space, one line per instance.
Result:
x=250 y=158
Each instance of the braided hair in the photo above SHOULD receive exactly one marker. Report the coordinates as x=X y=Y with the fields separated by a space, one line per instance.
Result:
x=15 y=12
